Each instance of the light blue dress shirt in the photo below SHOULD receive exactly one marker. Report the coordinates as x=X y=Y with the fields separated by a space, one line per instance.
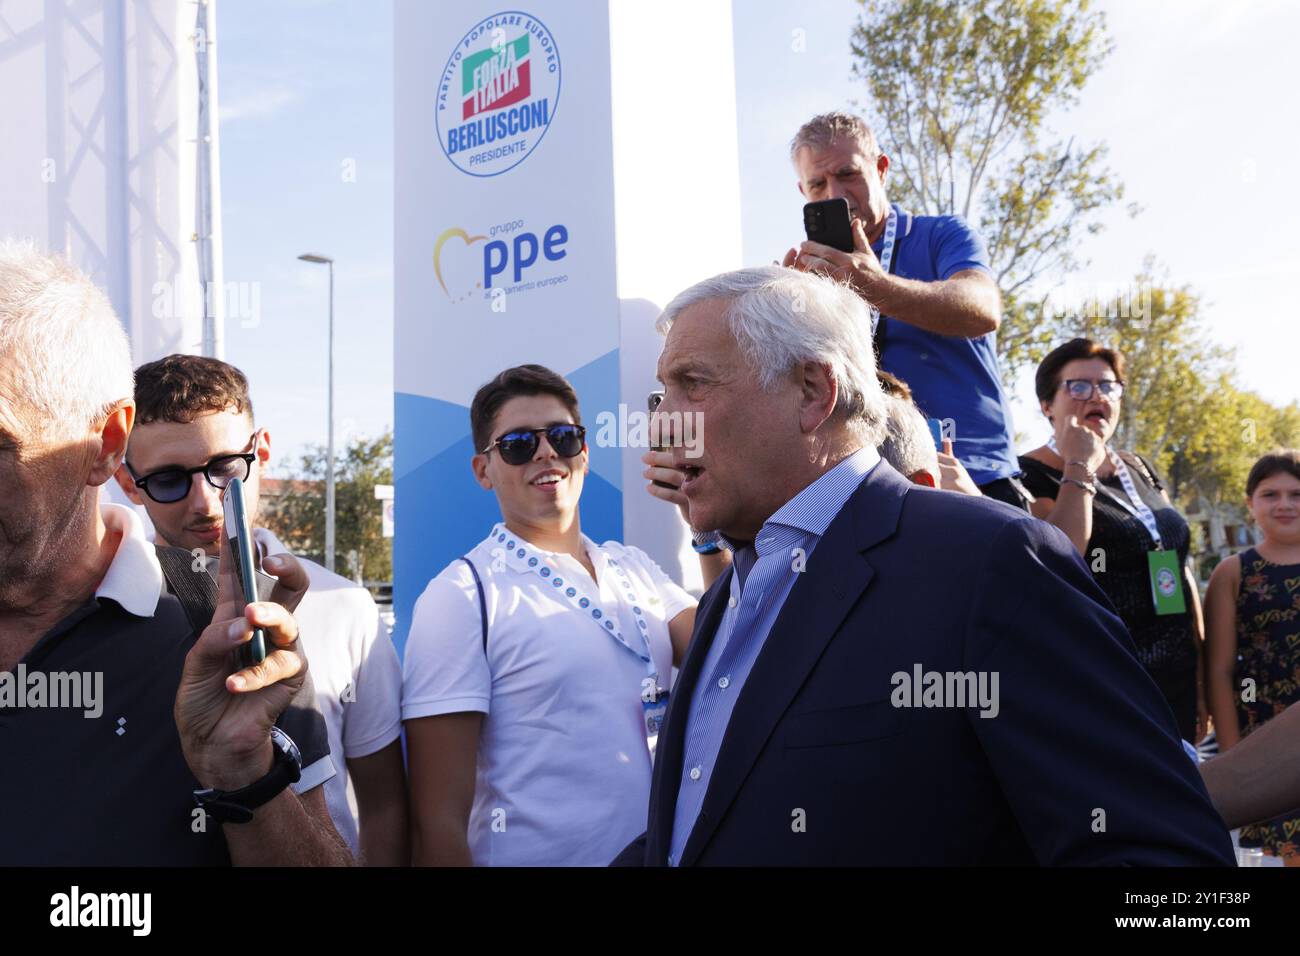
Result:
x=750 y=613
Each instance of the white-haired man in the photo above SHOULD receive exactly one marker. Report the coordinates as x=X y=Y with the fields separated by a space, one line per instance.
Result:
x=909 y=443
x=929 y=278
x=119 y=721
x=886 y=673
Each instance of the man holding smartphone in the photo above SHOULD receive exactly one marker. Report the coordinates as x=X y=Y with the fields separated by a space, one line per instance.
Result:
x=194 y=433
x=929 y=279
x=131 y=740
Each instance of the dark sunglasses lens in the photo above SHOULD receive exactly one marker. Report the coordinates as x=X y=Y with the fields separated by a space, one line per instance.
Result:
x=168 y=486
x=517 y=448
x=221 y=470
x=565 y=439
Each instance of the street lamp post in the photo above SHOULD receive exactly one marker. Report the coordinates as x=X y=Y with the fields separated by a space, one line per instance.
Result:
x=329 y=452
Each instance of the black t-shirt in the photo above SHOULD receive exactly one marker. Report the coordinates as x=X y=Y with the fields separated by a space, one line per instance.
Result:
x=115 y=789
x=1165 y=643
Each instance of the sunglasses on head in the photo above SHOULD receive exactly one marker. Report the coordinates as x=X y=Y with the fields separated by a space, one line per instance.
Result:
x=519 y=446
x=173 y=484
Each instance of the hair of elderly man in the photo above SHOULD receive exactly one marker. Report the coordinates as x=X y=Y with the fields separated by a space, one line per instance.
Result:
x=782 y=317
x=908 y=444
x=827 y=128
x=66 y=357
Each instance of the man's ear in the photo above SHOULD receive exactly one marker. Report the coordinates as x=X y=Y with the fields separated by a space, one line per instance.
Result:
x=819 y=393
x=478 y=464
x=127 y=484
x=922 y=477
x=264 y=449
x=882 y=166
x=113 y=436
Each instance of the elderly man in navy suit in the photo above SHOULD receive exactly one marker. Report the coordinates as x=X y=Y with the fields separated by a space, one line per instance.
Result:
x=889 y=674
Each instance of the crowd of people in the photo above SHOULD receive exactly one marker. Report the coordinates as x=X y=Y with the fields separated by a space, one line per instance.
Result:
x=914 y=647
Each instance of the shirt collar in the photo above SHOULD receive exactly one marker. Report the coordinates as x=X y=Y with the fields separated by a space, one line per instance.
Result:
x=813 y=509
x=134 y=578
x=904 y=227
x=520 y=555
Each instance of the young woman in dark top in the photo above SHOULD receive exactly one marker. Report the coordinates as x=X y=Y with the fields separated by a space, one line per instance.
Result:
x=1252 y=611
x=1113 y=506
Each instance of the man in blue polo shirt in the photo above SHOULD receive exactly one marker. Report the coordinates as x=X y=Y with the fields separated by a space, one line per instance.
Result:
x=928 y=277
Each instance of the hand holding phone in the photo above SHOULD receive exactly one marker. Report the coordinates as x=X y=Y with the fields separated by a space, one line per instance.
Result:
x=653 y=402
x=240 y=568
x=827 y=221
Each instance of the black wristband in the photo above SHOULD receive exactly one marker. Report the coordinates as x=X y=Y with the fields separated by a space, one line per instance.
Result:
x=237 y=806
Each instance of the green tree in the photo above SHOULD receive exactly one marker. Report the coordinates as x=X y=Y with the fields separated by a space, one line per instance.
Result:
x=298 y=517
x=1183 y=407
x=959 y=94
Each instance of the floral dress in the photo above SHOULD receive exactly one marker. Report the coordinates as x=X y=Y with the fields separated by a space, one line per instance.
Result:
x=1268 y=652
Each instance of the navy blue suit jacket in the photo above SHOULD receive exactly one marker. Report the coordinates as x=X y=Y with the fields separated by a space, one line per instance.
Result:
x=1081 y=765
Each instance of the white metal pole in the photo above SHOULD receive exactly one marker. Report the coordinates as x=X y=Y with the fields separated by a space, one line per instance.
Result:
x=329 y=475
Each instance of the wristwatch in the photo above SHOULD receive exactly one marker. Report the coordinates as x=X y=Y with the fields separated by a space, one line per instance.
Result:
x=237 y=806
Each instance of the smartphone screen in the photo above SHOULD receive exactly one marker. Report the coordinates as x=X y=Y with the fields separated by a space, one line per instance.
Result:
x=827 y=221
x=242 y=564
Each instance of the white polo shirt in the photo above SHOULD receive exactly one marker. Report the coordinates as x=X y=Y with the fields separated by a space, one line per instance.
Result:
x=563 y=764
x=356 y=672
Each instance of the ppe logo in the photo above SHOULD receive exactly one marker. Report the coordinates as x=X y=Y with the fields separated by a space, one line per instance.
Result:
x=498 y=93
x=467 y=265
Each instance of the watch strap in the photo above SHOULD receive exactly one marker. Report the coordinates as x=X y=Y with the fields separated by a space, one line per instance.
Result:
x=237 y=806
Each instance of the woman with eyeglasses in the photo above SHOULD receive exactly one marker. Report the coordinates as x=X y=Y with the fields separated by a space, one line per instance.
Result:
x=538 y=666
x=1113 y=507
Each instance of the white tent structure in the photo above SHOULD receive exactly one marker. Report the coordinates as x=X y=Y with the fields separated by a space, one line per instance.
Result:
x=110 y=156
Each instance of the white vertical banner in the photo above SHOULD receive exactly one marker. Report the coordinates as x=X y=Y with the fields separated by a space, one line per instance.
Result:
x=546 y=206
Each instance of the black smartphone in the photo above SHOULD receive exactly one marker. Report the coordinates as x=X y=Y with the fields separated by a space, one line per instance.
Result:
x=827 y=221
x=243 y=559
x=653 y=402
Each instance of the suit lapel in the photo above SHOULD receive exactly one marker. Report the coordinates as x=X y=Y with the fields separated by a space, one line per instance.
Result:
x=668 y=753
x=836 y=576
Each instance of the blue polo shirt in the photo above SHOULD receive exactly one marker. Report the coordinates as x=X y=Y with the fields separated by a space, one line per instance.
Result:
x=950 y=377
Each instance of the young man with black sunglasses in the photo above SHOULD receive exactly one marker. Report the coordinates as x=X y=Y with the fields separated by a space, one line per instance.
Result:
x=537 y=667
x=194 y=433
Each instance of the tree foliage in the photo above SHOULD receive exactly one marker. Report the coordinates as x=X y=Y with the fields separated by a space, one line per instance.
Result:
x=960 y=91
x=1183 y=406
x=299 y=517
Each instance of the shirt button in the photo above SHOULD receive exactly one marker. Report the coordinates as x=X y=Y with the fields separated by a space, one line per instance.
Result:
x=695 y=773
x=731 y=602
x=724 y=682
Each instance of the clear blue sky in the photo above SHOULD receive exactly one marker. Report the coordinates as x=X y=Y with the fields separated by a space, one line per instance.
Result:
x=1192 y=104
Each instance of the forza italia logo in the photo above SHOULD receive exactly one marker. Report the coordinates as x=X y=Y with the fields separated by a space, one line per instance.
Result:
x=498 y=93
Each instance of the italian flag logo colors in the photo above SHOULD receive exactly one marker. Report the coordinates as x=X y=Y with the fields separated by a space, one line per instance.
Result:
x=495 y=78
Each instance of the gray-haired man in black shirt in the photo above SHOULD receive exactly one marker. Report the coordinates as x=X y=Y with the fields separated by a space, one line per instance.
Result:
x=117 y=719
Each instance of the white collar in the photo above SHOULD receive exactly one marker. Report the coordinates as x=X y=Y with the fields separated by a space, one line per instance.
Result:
x=134 y=578
x=517 y=552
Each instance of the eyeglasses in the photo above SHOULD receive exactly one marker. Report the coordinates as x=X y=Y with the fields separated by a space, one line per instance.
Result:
x=518 y=447
x=1082 y=389
x=172 y=484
